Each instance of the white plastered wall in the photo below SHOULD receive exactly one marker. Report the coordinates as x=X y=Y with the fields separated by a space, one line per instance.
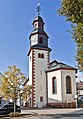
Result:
x=68 y=97
x=40 y=77
x=61 y=86
x=54 y=97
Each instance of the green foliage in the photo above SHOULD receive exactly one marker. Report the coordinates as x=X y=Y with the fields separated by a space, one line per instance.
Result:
x=73 y=11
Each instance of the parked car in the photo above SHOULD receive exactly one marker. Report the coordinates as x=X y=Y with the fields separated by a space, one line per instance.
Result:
x=8 y=108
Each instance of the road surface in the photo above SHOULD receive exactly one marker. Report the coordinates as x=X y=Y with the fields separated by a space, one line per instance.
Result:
x=50 y=114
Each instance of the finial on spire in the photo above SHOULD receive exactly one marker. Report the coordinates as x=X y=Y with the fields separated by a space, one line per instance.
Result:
x=38 y=8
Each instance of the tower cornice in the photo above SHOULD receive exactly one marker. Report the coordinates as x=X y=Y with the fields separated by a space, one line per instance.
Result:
x=39 y=48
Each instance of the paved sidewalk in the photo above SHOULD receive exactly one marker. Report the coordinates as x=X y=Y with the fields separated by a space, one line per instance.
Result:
x=53 y=114
x=49 y=111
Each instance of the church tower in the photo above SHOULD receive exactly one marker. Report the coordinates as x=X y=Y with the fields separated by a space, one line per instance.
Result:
x=39 y=60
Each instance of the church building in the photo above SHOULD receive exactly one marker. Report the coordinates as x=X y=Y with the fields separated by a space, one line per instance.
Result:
x=53 y=83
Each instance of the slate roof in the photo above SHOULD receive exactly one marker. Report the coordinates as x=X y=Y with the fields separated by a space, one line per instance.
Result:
x=38 y=18
x=55 y=65
x=38 y=30
x=40 y=46
x=54 y=62
x=41 y=31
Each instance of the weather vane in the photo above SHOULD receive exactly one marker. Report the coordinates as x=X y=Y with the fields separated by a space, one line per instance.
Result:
x=38 y=8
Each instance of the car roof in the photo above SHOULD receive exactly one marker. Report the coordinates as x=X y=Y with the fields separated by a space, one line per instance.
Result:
x=9 y=105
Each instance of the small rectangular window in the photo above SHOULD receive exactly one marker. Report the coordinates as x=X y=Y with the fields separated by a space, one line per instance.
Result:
x=41 y=99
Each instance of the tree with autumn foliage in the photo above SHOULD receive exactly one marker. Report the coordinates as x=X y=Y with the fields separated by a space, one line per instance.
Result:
x=12 y=81
x=73 y=11
x=27 y=90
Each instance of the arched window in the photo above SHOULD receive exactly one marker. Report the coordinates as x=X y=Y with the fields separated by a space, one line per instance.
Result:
x=40 y=40
x=42 y=55
x=54 y=85
x=39 y=55
x=68 y=85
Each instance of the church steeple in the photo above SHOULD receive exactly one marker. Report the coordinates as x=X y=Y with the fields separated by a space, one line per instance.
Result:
x=39 y=60
x=38 y=36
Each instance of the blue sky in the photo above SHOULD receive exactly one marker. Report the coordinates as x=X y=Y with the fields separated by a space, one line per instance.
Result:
x=16 y=17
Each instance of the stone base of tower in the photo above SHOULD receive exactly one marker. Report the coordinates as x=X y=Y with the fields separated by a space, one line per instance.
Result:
x=62 y=105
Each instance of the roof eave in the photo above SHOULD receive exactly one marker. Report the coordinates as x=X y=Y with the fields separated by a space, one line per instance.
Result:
x=61 y=69
x=48 y=49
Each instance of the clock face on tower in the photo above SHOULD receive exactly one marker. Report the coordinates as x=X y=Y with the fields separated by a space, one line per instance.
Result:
x=33 y=40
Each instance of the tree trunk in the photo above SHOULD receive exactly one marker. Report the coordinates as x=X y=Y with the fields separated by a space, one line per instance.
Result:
x=14 y=106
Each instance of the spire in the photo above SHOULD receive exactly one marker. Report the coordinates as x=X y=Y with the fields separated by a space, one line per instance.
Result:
x=38 y=8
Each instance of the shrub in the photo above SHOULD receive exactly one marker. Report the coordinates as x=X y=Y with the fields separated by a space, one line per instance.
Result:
x=16 y=114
